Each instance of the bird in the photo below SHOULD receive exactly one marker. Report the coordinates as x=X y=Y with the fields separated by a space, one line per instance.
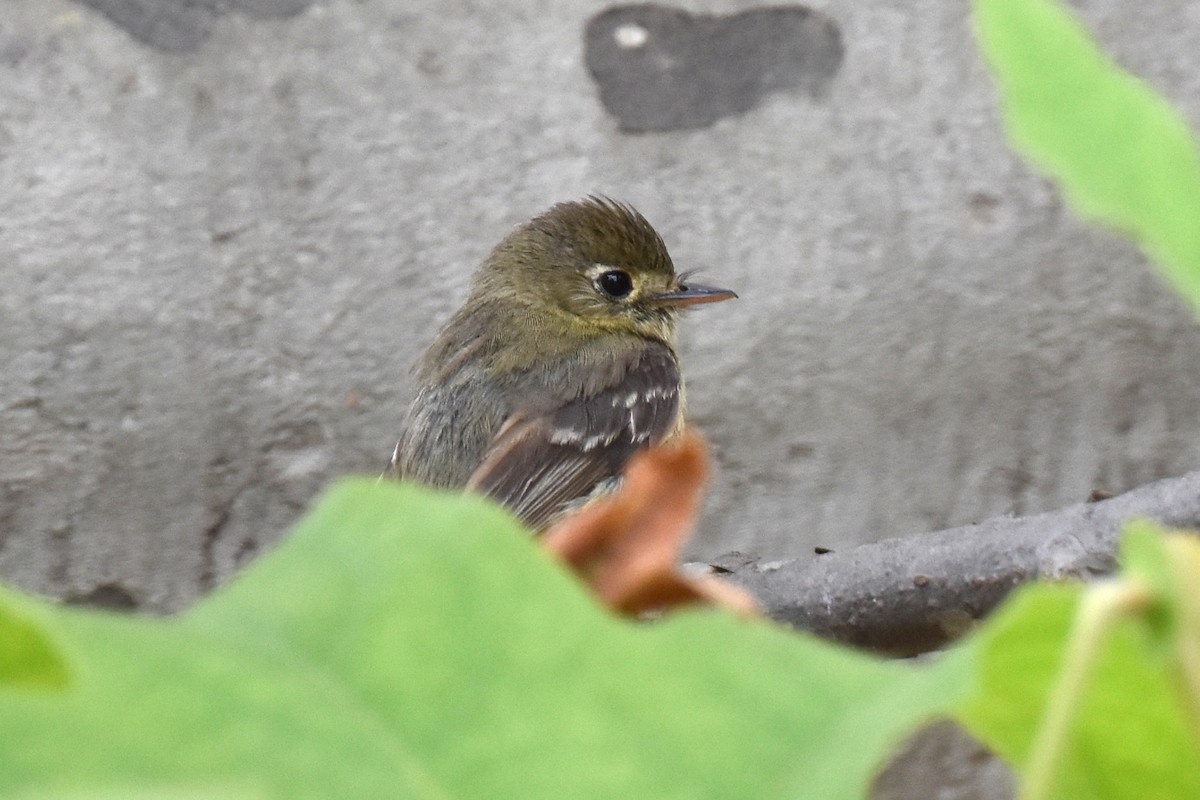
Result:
x=561 y=364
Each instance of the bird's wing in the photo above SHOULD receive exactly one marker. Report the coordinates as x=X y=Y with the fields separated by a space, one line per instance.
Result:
x=540 y=462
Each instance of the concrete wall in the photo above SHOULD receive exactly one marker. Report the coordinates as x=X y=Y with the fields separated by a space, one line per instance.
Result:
x=227 y=227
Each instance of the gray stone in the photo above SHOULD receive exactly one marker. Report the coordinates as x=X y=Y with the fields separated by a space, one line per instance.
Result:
x=224 y=238
x=664 y=69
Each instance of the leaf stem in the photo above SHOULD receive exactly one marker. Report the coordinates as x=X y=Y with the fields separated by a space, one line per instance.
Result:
x=1188 y=670
x=1101 y=606
x=1184 y=553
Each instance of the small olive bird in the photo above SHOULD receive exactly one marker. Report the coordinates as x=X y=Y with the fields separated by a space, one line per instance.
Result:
x=560 y=365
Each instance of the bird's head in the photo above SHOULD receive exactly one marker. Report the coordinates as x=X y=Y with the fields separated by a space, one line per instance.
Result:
x=597 y=264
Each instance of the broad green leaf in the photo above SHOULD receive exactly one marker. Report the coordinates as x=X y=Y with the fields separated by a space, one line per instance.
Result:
x=1121 y=152
x=1130 y=738
x=1169 y=562
x=407 y=644
x=27 y=658
x=1144 y=556
x=204 y=792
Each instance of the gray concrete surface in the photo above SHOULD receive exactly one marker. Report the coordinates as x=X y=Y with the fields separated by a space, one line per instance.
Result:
x=227 y=228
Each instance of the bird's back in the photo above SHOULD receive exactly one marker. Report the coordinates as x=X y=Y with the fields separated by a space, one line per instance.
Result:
x=539 y=439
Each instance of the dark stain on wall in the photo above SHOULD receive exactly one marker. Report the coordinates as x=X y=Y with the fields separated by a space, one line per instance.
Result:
x=181 y=25
x=112 y=596
x=663 y=69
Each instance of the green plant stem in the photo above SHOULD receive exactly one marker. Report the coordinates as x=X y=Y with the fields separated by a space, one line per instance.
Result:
x=1188 y=670
x=1101 y=606
x=1183 y=552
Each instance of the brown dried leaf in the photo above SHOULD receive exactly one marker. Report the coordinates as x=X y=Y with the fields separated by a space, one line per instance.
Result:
x=626 y=546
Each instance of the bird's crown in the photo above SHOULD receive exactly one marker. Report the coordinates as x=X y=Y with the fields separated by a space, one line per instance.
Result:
x=600 y=230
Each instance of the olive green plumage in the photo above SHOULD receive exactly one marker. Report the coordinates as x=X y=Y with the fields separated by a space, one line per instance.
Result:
x=557 y=368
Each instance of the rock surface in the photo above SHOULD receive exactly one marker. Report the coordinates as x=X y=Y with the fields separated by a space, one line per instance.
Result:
x=227 y=228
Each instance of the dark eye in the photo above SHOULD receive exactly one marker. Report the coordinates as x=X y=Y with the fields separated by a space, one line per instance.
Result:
x=615 y=283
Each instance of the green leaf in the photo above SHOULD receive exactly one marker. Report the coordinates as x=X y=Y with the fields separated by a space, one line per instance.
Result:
x=1144 y=556
x=27 y=658
x=1121 y=152
x=1130 y=735
x=406 y=644
x=203 y=792
x=1169 y=563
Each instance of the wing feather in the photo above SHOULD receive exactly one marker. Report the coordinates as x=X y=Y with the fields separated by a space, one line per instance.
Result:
x=540 y=462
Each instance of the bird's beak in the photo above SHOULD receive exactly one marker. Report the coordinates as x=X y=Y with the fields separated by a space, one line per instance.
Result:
x=692 y=294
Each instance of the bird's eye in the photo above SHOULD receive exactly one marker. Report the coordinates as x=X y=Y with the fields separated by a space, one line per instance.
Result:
x=615 y=283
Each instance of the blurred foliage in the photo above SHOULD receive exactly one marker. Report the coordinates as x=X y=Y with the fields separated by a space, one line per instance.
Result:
x=1121 y=153
x=406 y=644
